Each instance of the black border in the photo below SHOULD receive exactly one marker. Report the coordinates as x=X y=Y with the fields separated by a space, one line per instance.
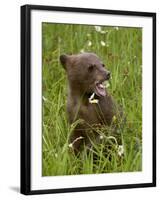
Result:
x=25 y=187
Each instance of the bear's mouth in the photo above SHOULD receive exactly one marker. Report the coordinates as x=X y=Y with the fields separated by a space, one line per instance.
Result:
x=100 y=88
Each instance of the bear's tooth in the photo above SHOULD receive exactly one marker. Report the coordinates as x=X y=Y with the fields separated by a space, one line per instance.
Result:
x=101 y=86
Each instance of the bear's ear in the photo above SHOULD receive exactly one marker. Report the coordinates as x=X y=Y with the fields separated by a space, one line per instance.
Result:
x=63 y=59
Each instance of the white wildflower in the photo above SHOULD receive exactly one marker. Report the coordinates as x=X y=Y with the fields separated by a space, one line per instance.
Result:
x=44 y=98
x=104 y=32
x=117 y=28
x=98 y=28
x=92 y=99
x=120 y=150
x=70 y=145
x=89 y=43
x=101 y=137
x=103 y=43
x=92 y=96
x=82 y=51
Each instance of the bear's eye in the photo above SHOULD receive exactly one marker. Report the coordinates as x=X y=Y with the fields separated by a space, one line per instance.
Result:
x=91 y=67
x=103 y=65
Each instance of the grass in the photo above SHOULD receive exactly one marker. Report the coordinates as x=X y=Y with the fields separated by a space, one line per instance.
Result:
x=120 y=49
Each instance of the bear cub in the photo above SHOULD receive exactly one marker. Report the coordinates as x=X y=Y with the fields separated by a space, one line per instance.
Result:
x=88 y=99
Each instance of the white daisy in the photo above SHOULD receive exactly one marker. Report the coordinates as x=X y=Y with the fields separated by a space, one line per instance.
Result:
x=98 y=28
x=120 y=150
x=117 y=28
x=103 y=43
x=89 y=43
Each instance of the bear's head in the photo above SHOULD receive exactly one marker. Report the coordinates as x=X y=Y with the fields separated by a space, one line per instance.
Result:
x=86 y=73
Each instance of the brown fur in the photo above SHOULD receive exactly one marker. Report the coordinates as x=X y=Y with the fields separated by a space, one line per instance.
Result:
x=83 y=70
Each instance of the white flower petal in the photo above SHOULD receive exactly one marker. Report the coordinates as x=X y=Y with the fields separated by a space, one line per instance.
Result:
x=98 y=28
x=103 y=32
x=117 y=28
x=82 y=51
x=120 y=150
x=44 y=98
x=103 y=43
x=70 y=145
x=92 y=96
x=94 y=101
x=101 y=137
x=89 y=43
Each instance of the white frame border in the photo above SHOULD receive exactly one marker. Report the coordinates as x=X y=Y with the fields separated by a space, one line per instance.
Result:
x=43 y=183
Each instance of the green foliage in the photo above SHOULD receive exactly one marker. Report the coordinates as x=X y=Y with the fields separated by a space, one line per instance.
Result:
x=120 y=49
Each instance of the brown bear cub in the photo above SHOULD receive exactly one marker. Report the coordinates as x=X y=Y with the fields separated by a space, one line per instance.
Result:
x=88 y=100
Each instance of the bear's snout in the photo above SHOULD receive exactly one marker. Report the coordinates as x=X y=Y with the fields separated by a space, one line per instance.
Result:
x=105 y=74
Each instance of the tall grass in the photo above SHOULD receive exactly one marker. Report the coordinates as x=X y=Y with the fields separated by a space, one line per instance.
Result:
x=120 y=49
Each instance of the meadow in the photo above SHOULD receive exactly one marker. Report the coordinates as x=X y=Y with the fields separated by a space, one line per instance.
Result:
x=120 y=48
